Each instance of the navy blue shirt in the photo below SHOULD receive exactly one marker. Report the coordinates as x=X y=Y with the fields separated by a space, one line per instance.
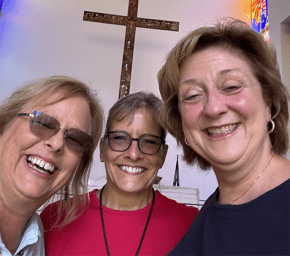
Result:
x=259 y=227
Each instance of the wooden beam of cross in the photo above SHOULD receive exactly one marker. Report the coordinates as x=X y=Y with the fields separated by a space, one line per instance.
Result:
x=131 y=21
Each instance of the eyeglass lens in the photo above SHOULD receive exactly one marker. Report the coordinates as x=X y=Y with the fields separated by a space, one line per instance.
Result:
x=121 y=141
x=45 y=126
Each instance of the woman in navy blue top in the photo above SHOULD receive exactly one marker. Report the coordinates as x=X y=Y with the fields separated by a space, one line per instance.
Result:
x=225 y=103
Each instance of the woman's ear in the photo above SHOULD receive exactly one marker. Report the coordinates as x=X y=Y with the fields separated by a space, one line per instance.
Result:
x=102 y=157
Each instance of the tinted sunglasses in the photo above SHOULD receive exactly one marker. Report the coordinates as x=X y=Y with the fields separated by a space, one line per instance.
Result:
x=45 y=126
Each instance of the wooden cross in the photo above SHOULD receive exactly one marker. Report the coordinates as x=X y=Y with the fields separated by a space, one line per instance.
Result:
x=131 y=21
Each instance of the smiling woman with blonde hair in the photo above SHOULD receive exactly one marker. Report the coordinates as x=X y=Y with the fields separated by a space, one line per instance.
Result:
x=49 y=130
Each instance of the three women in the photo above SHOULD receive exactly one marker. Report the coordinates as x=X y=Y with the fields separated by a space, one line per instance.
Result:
x=224 y=102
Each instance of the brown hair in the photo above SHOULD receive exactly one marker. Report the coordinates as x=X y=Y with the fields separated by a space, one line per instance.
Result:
x=68 y=87
x=239 y=38
x=128 y=105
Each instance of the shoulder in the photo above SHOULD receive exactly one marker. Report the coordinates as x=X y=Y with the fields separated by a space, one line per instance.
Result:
x=174 y=207
x=210 y=201
x=32 y=240
x=50 y=212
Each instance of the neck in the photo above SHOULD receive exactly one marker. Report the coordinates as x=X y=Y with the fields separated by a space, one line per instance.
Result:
x=121 y=201
x=15 y=213
x=253 y=186
x=12 y=226
x=246 y=181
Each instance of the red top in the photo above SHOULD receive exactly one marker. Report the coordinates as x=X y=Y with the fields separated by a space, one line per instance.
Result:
x=84 y=236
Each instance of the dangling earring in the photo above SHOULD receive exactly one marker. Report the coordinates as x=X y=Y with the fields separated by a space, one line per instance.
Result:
x=272 y=126
x=66 y=193
x=185 y=140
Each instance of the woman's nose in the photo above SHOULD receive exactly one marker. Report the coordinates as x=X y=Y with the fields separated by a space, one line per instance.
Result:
x=56 y=142
x=215 y=105
x=133 y=152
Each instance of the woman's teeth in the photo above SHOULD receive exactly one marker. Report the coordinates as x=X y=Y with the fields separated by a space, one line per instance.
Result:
x=132 y=169
x=222 y=130
x=40 y=165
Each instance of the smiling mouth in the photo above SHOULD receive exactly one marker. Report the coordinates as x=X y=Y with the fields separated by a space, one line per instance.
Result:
x=222 y=130
x=40 y=165
x=131 y=169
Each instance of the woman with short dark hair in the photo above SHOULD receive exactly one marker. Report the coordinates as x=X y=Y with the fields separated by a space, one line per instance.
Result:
x=126 y=217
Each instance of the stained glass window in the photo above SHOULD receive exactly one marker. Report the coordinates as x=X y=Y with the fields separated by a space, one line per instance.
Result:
x=1 y=4
x=260 y=17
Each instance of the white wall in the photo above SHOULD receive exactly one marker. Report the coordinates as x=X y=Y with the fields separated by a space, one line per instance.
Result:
x=279 y=11
x=41 y=38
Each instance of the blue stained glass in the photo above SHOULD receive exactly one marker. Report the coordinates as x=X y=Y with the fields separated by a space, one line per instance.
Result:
x=1 y=4
x=260 y=18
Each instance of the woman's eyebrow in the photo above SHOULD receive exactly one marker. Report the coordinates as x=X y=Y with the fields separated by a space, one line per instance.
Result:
x=226 y=71
x=188 y=81
x=221 y=73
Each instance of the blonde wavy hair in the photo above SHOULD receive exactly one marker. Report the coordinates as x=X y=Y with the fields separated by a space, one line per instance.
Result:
x=68 y=87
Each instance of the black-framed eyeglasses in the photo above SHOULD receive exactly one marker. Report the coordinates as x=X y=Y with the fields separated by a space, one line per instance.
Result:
x=121 y=141
x=45 y=126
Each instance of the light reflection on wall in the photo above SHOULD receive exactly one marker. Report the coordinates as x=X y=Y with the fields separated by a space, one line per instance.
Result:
x=11 y=29
x=243 y=8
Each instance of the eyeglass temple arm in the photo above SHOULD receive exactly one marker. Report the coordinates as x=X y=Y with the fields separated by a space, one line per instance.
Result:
x=24 y=114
